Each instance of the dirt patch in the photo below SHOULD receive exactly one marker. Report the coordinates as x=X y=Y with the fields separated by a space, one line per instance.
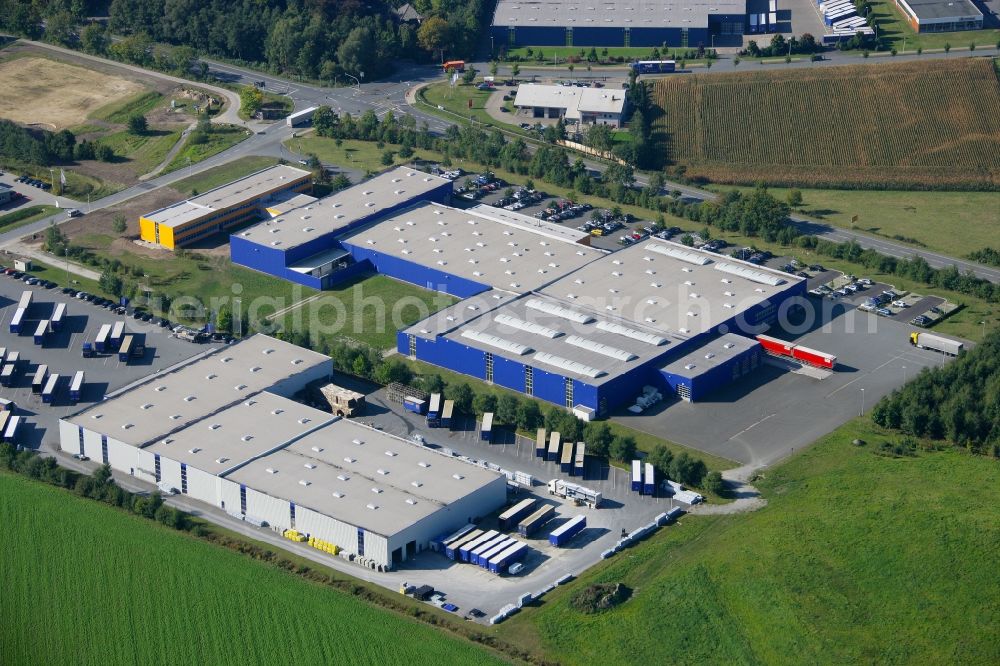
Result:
x=56 y=94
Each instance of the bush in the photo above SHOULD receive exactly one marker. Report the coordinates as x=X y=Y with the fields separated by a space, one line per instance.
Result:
x=599 y=597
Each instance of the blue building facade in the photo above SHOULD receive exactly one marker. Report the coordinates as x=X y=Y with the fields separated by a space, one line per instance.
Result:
x=719 y=30
x=697 y=383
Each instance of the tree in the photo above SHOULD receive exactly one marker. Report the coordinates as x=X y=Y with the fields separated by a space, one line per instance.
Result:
x=529 y=415
x=55 y=240
x=462 y=395
x=687 y=239
x=61 y=28
x=794 y=198
x=713 y=483
x=494 y=68
x=600 y=137
x=484 y=402
x=469 y=75
x=104 y=153
x=224 y=319
x=515 y=70
x=598 y=437
x=110 y=283
x=622 y=447
x=388 y=157
x=661 y=458
x=507 y=408
x=119 y=224
x=434 y=35
x=251 y=100
x=137 y=124
x=94 y=38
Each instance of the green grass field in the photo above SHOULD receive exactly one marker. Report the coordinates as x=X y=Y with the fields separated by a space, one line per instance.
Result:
x=456 y=101
x=121 y=110
x=362 y=155
x=370 y=309
x=220 y=175
x=146 y=150
x=221 y=138
x=955 y=223
x=856 y=559
x=23 y=216
x=86 y=583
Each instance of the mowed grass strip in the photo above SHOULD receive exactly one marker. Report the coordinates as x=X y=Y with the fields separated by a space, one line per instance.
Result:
x=220 y=175
x=927 y=124
x=87 y=583
x=121 y=110
x=857 y=558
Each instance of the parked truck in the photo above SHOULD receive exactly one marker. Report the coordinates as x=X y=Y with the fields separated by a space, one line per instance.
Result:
x=566 y=458
x=42 y=331
x=414 y=404
x=486 y=429
x=529 y=525
x=540 y=438
x=936 y=343
x=17 y=321
x=101 y=341
x=76 y=387
x=38 y=382
x=637 y=476
x=572 y=491
x=49 y=392
x=434 y=411
x=58 y=316
x=512 y=516
x=562 y=534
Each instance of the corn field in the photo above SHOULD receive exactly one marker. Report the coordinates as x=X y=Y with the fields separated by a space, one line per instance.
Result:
x=84 y=583
x=918 y=124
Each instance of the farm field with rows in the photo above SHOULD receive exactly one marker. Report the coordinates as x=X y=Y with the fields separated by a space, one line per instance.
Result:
x=85 y=583
x=933 y=124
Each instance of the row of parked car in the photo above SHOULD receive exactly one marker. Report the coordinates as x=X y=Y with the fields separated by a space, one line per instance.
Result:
x=521 y=198
x=563 y=210
x=26 y=278
x=34 y=182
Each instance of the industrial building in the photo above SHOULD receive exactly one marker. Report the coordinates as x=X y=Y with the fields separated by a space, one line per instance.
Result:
x=941 y=15
x=300 y=242
x=222 y=208
x=224 y=429
x=697 y=373
x=674 y=23
x=586 y=106
x=592 y=337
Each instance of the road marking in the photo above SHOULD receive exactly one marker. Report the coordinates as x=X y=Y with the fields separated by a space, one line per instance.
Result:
x=752 y=425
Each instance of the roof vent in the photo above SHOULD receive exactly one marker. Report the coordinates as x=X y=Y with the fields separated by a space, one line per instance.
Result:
x=303 y=482
x=689 y=366
x=126 y=426
x=377 y=491
x=411 y=501
x=194 y=450
x=457 y=477
x=174 y=417
x=271 y=470
x=372 y=506
x=728 y=345
x=268 y=351
x=382 y=472
x=240 y=387
x=309 y=466
x=304 y=420
x=349 y=459
x=189 y=398
x=214 y=426
x=424 y=464
x=246 y=438
x=227 y=359
x=161 y=388
x=277 y=411
x=147 y=405
x=343 y=477
x=338 y=495
x=357 y=441
x=416 y=484
x=391 y=454
x=221 y=460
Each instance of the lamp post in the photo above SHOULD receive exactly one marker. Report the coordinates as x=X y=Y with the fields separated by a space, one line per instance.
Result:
x=862 y=402
x=983 y=323
x=904 y=374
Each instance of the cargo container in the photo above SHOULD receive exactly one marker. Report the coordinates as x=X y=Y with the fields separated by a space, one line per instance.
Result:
x=562 y=534
x=58 y=316
x=936 y=343
x=76 y=387
x=38 y=383
x=499 y=563
x=5 y=418
x=42 y=331
x=637 y=476
x=303 y=117
x=25 y=301
x=566 y=460
x=7 y=405
x=16 y=321
x=14 y=358
x=552 y=455
x=10 y=432
x=451 y=548
x=117 y=335
x=486 y=429
x=572 y=491
x=434 y=411
x=813 y=357
x=529 y=525
x=439 y=543
x=101 y=341
x=7 y=375
x=649 y=480
x=540 y=443
x=579 y=465
x=454 y=65
x=511 y=517
x=3 y=354
x=497 y=547
x=465 y=549
x=415 y=405
x=446 y=413
x=49 y=392
x=133 y=346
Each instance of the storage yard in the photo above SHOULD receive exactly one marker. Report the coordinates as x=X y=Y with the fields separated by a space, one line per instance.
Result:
x=914 y=141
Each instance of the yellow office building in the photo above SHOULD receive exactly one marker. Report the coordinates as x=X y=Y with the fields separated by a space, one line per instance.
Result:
x=223 y=208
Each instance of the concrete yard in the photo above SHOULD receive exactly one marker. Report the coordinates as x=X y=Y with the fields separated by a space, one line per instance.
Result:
x=61 y=352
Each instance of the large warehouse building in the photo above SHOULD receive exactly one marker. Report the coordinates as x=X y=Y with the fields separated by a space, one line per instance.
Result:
x=941 y=15
x=224 y=430
x=675 y=23
x=222 y=208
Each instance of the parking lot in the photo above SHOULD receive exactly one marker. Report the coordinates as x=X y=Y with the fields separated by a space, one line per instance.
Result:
x=30 y=195
x=61 y=352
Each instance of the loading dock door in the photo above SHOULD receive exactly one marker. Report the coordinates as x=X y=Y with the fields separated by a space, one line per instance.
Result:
x=411 y=549
x=397 y=556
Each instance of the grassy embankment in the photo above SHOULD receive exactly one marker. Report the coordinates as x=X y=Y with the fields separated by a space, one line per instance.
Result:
x=856 y=558
x=23 y=216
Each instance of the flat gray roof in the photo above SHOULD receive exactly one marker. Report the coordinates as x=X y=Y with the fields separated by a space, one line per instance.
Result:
x=246 y=430
x=533 y=329
x=613 y=13
x=503 y=253
x=385 y=484
x=710 y=355
x=673 y=289
x=936 y=11
x=575 y=100
x=168 y=401
x=249 y=187
x=299 y=225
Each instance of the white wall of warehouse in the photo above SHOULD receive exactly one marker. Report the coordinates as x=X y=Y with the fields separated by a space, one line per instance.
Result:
x=203 y=486
x=170 y=473
x=229 y=495
x=343 y=534
x=277 y=512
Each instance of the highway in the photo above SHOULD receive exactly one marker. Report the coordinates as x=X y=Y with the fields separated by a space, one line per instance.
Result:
x=390 y=95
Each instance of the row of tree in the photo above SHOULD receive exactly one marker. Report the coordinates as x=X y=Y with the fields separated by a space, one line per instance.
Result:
x=320 y=39
x=987 y=255
x=36 y=146
x=958 y=402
